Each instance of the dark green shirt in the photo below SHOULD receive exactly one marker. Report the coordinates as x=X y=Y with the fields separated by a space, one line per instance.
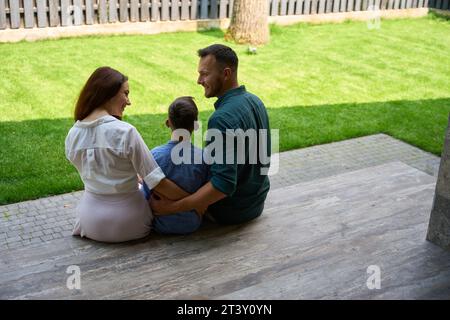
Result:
x=243 y=183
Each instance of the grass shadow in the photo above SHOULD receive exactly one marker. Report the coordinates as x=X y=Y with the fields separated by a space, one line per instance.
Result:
x=434 y=15
x=34 y=165
x=212 y=32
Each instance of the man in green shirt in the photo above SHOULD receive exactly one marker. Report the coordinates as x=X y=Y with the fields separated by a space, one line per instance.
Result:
x=240 y=151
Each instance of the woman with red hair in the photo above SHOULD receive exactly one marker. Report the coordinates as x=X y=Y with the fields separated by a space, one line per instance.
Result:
x=109 y=154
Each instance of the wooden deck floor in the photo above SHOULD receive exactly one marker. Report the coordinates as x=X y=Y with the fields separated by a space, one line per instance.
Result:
x=315 y=240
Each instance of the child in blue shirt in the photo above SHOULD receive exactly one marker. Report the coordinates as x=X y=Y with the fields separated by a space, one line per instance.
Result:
x=189 y=175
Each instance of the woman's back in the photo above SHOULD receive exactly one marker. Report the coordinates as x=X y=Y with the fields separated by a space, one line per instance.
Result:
x=100 y=150
x=109 y=154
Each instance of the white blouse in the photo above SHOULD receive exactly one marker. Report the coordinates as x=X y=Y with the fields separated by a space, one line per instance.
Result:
x=108 y=154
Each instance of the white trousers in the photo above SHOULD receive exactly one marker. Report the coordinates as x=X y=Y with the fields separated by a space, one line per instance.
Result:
x=113 y=218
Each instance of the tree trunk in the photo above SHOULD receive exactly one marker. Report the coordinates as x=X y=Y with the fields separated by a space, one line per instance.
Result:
x=249 y=22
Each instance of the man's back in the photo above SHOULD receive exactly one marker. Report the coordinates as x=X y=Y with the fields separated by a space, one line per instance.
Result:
x=244 y=184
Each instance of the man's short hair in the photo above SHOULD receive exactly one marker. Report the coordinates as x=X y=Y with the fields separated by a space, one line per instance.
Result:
x=183 y=112
x=224 y=55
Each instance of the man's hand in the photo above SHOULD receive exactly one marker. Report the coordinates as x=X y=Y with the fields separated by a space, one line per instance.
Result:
x=201 y=209
x=198 y=201
x=161 y=205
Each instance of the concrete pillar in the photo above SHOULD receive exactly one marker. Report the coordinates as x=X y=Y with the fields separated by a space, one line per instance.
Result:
x=439 y=225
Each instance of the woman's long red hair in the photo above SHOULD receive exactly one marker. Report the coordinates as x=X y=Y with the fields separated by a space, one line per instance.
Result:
x=101 y=86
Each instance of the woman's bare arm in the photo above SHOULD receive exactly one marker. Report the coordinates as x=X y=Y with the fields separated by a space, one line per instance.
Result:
x=170 y=190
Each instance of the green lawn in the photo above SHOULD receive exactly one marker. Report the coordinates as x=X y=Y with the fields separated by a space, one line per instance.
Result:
x=321 y=83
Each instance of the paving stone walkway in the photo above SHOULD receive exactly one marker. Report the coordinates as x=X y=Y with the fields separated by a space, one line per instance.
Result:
x=34 y=222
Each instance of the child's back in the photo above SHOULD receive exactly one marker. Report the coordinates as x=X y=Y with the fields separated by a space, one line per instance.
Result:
x=189 y=177
x=190 y=174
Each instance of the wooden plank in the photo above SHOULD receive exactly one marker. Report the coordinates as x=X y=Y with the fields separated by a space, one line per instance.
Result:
x=14 y=14
x=123 y=10
x=376 y=4
x=78 y=12
x=89 y=12
x=134 y=10
x=329 y=6
x=53 y=13
x=438 y=4
x=203 y=9
x=408 y=4
x=223 y=9
x=357 y=5
x=28 y=13
x=299 y=7
x=365 y=4
x=194 y=10
x=214 y=13
x=275 y=8
x=41 y=7
x=102 y=11
x=426 y=3
x=185 y=9
x=349 y=5
x=145 y=10
x=112 y=11
x=336 y=4
x=283 y=7
x=155 y=10
x=343 y=5
x=3 y=23
x=165 y=15
x=314 y=5
x=230 y=8
x=174 y=10
x=66 y=13
x=322 y=4
x=291 y=7
x=307 y=7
